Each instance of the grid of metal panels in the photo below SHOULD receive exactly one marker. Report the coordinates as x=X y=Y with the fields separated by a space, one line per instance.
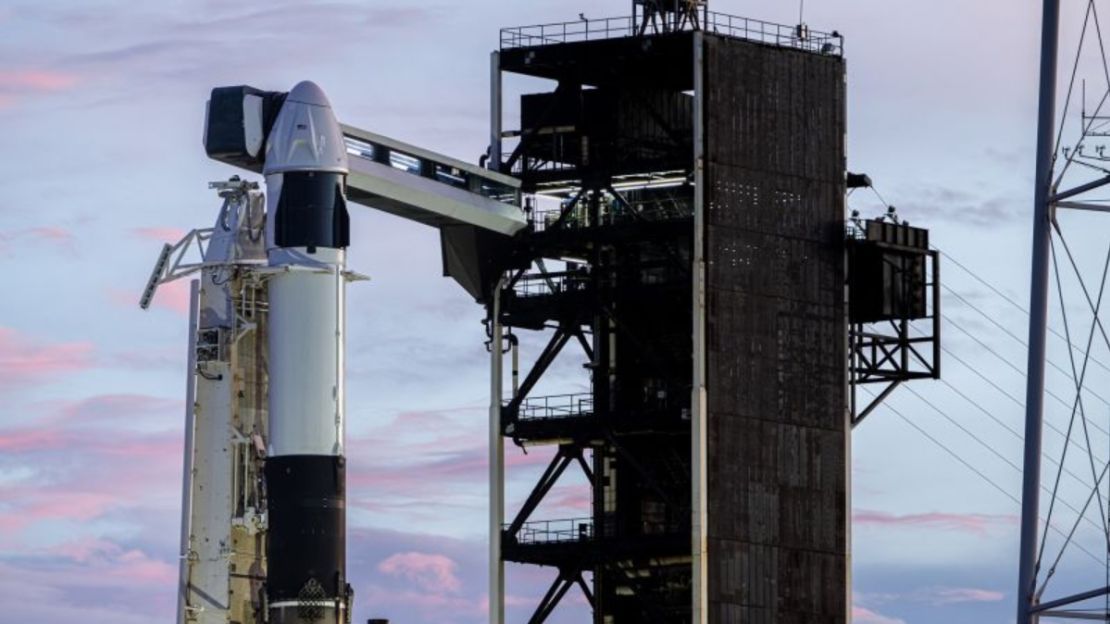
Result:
x=777 y=423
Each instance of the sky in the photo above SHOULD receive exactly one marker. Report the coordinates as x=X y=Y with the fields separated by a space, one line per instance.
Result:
x=101 y=109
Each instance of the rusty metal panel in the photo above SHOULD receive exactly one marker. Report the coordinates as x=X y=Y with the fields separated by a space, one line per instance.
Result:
x=776 y=327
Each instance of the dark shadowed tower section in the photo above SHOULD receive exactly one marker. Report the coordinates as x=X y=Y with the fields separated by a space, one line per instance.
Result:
x=685 y=185
x=778 y=432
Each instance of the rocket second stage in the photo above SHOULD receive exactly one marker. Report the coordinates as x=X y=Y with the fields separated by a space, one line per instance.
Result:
x=307 y=235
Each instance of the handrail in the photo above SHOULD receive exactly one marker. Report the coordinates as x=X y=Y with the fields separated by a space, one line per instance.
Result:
x=555 y=531
x=556 y=406
x=800 y=37
x=544 y=284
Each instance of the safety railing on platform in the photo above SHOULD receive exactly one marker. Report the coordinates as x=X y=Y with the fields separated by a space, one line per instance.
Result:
x=556 y=406
x=800 y=37
x=555 y=531
x=546 y=284
x=612 y=212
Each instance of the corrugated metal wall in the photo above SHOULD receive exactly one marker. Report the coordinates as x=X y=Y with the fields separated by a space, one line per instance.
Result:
x=776 y=361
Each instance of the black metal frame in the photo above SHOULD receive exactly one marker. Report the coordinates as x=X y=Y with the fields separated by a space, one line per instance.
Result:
x=567 y=578
x=895 y=356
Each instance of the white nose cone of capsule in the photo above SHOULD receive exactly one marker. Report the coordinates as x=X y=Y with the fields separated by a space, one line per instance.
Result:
x=306 y=135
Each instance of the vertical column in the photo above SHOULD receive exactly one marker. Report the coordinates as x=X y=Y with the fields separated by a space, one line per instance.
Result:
x=1038 y=315
x=698 y=437
x=495 y=112
x=496 y=465
x=188 y=460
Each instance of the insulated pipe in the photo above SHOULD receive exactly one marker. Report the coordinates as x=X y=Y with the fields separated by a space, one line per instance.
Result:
x=307 y=235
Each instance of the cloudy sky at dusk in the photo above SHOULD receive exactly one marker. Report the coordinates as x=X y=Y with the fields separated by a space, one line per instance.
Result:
x=101 y=108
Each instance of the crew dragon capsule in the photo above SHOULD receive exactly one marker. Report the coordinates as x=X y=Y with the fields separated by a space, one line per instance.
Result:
x=307 y=233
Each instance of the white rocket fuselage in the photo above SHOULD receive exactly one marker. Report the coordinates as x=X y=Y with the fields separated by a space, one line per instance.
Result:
x=307 y=234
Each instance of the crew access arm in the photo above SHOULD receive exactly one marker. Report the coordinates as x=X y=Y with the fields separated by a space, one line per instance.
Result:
x=472 y=207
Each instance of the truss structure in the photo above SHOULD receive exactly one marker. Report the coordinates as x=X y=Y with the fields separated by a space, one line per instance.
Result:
x=1066 y=535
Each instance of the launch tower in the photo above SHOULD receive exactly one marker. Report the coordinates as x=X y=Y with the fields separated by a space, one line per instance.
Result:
x=684 y=181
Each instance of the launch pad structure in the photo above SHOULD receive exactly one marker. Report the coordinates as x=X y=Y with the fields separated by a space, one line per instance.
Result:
x=684 y=184
x=672 y=211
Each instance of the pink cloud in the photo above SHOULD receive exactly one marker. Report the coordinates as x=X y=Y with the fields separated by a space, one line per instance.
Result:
x=159 y=234
x=22 y=441
x=18 y=83
x=58 y=237
x=52 y=506
x=51 y=233
x=99 y=484
x=173 y=296
x=136 y=567
x=863 y=615
x=978 y=524
x=81 y=462
x=23 y=360
x=35 y=80
x=71 y=424
x=85 y=549
x=958 y=595
x=468 y=464
x=433 y=573
x=113 y=562
x=574 y=498
x=108 y=409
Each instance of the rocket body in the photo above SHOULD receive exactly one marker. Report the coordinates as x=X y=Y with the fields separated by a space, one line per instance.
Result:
x=307 y=236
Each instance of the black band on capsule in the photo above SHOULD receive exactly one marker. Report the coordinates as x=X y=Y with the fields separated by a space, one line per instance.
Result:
x=312 y=211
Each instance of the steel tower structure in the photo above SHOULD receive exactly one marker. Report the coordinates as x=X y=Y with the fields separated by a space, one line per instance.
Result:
x=684 y=182
x=1054 y=190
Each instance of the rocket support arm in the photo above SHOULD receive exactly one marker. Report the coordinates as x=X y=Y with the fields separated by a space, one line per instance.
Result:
x=386 y=174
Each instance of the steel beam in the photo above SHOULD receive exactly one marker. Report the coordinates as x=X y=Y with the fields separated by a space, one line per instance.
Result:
x=699 y=441
x=494 y=162
x=1038 y=315
x=1078 y=205
x=1070 y=600
x=496 y=465
x=1082 y=188
x=187 y=462
x=1077 y=615
x=554 y=346
x=551 y=475
x=551 y=600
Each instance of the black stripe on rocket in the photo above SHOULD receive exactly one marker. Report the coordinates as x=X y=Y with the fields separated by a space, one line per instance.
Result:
x=307 y=519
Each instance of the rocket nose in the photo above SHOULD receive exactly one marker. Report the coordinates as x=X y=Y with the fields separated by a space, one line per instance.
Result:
x=308 y=92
